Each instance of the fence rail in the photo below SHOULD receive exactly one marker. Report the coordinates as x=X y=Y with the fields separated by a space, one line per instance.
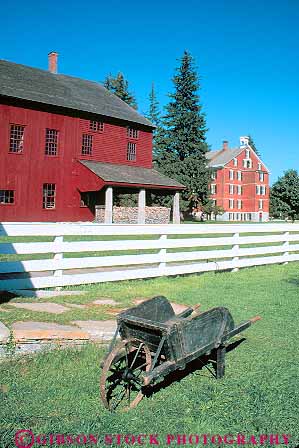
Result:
x=159 y=250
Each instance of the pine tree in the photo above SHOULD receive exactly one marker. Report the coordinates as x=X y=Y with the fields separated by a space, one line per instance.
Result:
x=154 y=115
x=252 y=145
x=182 y=147
x=120 y=87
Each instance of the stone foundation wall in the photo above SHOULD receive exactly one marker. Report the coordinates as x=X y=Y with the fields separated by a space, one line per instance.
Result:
x=129 y=215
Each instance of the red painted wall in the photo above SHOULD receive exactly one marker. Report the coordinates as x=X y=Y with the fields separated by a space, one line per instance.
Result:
x=250 y=179
x=26 y=172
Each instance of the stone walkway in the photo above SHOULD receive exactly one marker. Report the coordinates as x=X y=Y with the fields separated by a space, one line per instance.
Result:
x=33 y=336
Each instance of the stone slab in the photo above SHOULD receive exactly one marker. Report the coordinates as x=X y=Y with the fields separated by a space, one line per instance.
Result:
x=97 y=329
x=104 y=302
x=44 y=294
x=178 y=308
x=76 y=305
x=4 y=333
x=29 y=331
x=44 y=307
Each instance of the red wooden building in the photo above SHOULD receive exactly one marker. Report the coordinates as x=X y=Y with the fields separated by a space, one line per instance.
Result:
x=66 y=143
x=240 y=183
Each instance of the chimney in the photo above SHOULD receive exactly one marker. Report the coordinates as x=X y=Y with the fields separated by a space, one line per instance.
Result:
x=225 y=145
x=52 y=60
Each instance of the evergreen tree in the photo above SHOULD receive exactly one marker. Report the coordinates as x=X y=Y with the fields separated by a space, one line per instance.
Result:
x=120 y=87
x=284 y=196
x=154 y=115
x=182 y=145
x=252 y=145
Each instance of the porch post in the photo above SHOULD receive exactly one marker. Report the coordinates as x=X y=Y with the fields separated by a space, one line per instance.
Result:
x=108 y=205
x=141 y=206
x=176 y=208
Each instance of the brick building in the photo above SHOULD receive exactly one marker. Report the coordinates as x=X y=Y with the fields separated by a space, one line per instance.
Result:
x=240 y=183
x=66 y=144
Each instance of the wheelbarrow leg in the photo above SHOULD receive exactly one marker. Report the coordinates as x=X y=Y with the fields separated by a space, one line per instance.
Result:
x=221 y=350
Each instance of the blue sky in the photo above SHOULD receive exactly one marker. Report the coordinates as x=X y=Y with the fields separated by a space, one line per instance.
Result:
x=246 y=52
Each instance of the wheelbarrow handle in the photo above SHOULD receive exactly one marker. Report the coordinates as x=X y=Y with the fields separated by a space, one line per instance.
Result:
x=254 y=319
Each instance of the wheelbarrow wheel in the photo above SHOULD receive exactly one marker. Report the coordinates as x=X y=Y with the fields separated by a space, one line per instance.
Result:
x=122 y=381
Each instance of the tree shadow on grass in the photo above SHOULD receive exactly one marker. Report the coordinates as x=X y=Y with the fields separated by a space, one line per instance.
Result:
x=208 y=361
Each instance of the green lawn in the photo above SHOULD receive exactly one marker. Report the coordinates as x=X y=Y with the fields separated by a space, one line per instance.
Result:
x=58 y=392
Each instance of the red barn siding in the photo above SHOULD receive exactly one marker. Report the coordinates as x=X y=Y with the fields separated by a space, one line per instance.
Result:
x=26 y=172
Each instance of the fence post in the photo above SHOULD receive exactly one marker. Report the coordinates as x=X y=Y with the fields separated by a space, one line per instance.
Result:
x=235 y=252
x=57 y=257
x=286 y=247
x=162 y=256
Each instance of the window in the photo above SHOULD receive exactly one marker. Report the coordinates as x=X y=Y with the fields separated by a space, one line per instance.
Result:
x=258 y=189
x=247 y=163
x=132 y=132
x=213 y=188
x=97 y=126
x=230 y=216
x=261 y=177
x=49 y=195
x=231 y=175
x=16 y=142
x=231 y=203
x=214 y=202
x=260 y=204
x=86 y=144
x=239 y=175
x=214 y=175
x=239 y=204
x=131 y=151
x=51 y=142
x=247 y=153
x=262 y=190
x=235 y=162
x=7 y=196
x=259 y=166
x=231 y=189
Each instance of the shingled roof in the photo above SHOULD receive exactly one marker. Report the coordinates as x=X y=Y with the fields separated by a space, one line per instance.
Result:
x=124 y=174
x=32 y=84
x=222 y=157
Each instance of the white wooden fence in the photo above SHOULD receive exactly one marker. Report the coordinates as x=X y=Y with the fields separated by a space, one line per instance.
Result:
x=174 y=249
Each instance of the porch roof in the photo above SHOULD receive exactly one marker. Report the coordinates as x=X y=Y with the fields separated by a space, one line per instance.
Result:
x=126 y=175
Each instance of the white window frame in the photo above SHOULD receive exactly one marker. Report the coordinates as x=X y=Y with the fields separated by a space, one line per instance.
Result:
x=235 y=161
x=239 y=204
x=260 y=204
x=231 y=189
x=261 y=177
x=259 y=166
x=239 y=175
x=247 y=153
x=213 y=175
x=231 y=203
x=231 y=174
x=239 y=189
x=213 y=188
x=258 y=189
